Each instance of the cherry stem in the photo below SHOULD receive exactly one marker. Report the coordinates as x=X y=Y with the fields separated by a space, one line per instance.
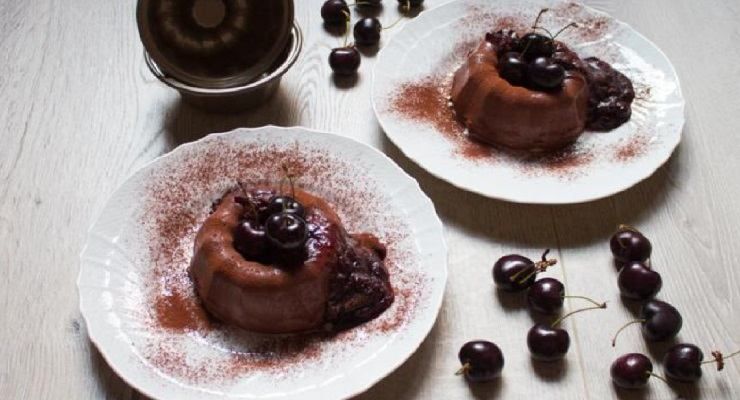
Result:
x=346 y=32
x=465 y=368
x=394 y=23
x=539 y=266
x=537 y=20
x=719 y=358
x=559 y=320
x=614 y=339
x=570 y=25
x=657 y=376
x=590 y=300
x=546 y=31
x=252 y=207
x=290 y=177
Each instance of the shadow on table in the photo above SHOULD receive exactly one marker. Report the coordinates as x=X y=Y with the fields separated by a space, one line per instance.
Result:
x=186 y=123
x=531 y=224
x=111 y=384
x=405 y=382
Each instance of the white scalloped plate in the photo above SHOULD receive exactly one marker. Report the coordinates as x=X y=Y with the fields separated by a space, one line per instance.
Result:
x=118 y=283
x=435 y=43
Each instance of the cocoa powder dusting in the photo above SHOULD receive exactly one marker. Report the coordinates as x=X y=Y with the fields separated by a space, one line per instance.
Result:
x=179 y=198
x=631 y=149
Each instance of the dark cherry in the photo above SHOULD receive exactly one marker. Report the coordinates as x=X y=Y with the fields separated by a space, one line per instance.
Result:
x=631 y=371
x=546 y=296
x=335 y=12
x=512 y=68
x=344 y=60
x=286 y=204
x=628 y=245
x=481 y=361
x=286 y=231
x=249 y=240
x=682 y=362
x=369 y=3
x=514 y=273
x=662 y=321
x=367 y=31
x=547 y=343
x=535 y=45
x=639 y=282
x=410 y=3
x=544 y=74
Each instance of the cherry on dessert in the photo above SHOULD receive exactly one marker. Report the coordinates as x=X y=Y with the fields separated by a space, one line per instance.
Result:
x=639 y=282
x=249 y=240
x=286 y=231
x=546 y=295
x=631 y=371
x=660 y=322
x=514 y=273
x=628 y=245
x=481 y=361
x=512 y=68
x=335 y=12
x=547 y=343
x=544 y=74
x=534 y=45
x=344 y=60
x=286 y=204
x=367 y=31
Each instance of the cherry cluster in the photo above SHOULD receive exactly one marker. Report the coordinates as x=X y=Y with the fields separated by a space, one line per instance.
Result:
x=272 y=227
x=660 y=321
x=346 y=60
x=483 y=360
x=528 y=60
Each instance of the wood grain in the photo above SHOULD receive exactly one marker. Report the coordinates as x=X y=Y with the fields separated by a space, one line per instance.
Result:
x=80 y=112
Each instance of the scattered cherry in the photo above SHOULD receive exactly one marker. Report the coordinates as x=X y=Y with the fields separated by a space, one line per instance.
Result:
x=286 y=204
x=683 y=362
x=512 y=68
x=631 y=371
x=628 y=245
x=410 y=3
x=285 y=231
x=515 y=273
x=335 y=12
x=546 y=295
x=544 y=74
x=249 y=240
x=344 y=60
x=639 y=282
x=547 y=343
x=660 y=322
x=481 y=361
x=367 y=31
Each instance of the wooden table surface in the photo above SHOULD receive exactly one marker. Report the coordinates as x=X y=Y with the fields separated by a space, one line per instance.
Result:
x=80 y=112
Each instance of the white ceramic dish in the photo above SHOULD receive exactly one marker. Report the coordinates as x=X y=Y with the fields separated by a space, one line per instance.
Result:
x=435 y=43
x=128 y=264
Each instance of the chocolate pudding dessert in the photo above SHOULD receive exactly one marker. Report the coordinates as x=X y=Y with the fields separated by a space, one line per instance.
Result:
x=530 y=93
x=272 y=263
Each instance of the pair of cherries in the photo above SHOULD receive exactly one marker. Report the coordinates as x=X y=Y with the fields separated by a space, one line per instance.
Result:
x=274 y=226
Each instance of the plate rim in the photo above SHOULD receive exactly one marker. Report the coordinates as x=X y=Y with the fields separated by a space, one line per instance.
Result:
x=95 y=329
x=543 y=200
